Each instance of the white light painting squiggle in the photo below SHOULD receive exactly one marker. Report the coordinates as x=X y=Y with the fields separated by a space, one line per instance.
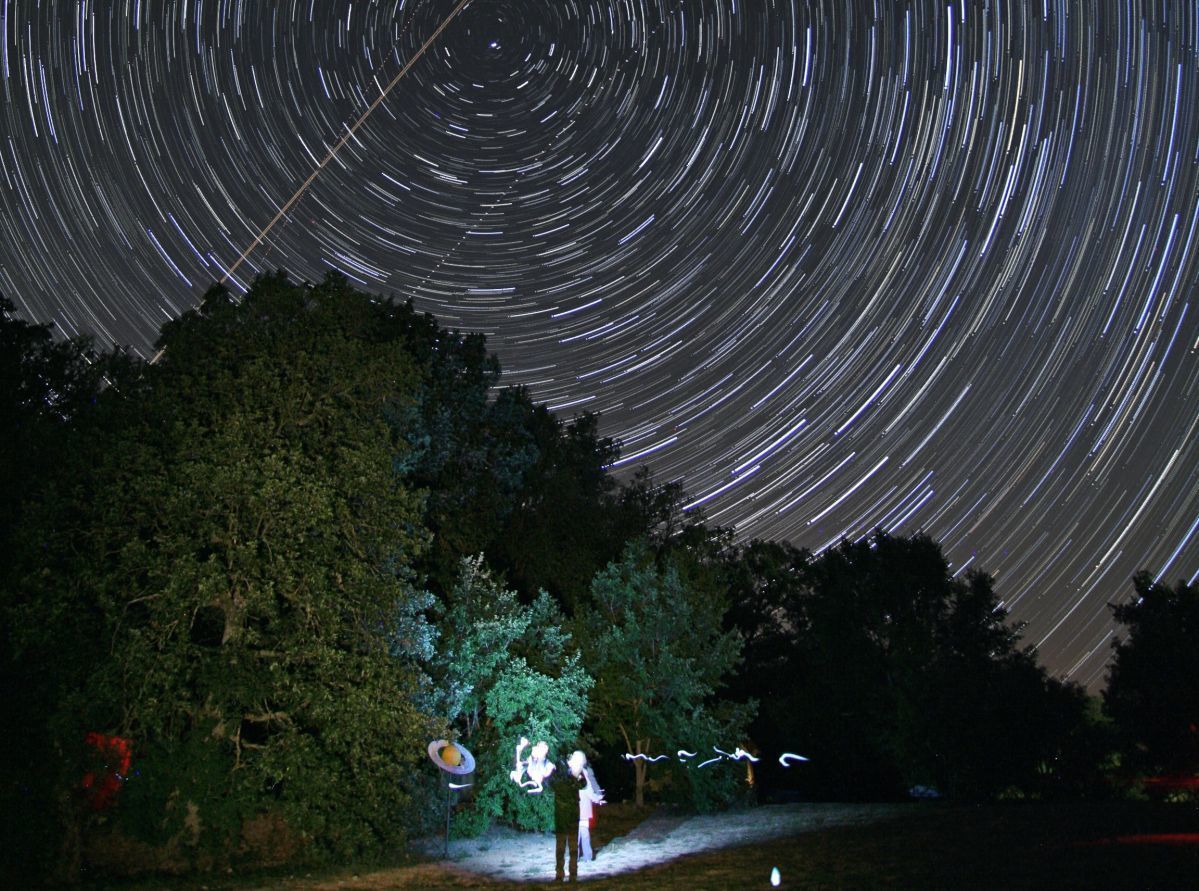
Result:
x=738 y=754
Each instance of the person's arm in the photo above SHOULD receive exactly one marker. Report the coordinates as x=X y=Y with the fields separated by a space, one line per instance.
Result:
x=594 y=792
x=519 y=770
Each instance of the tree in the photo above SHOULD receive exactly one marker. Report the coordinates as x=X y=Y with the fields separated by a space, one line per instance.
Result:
x=502 y=473
x=44 y=384
x=1152 y=693
x=659 y=654
x=568 y=524
x=472 y=449
x=986 y=719
x=214 y=575
x=767 y=583
x=504 y=670
x=654 y=510
x=900 y=674
x=48 y=389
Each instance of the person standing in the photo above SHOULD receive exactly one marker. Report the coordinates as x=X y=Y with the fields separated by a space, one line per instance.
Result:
x=590 y=794
x=565 y=787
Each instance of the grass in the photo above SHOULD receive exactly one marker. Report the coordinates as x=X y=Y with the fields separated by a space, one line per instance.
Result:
x=1017 y=845
x=1076 y=845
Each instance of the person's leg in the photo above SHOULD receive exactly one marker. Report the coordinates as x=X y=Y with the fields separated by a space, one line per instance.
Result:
x=561 y=844
x=574 y=857
x=585 y=841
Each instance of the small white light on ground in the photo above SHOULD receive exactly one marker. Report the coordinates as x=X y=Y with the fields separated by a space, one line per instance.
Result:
x=775 y=878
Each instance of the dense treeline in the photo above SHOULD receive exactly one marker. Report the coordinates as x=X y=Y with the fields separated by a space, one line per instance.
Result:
x=244 y=586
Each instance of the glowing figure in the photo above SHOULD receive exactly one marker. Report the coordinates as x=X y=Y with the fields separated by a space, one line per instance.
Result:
x=537 y=767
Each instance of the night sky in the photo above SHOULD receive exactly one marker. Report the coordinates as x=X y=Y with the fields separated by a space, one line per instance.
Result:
x=833 y=265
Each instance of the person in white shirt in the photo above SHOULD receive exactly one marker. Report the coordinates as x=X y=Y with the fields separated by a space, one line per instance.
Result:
x=590 y=794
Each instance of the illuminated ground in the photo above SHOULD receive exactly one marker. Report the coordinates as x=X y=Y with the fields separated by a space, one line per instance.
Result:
x=926 y=845
x=524 y=857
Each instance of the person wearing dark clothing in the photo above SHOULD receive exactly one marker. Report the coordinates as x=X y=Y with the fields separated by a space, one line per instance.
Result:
x=565 y=787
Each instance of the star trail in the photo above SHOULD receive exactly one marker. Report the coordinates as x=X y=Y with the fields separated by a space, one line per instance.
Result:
x=834 y=266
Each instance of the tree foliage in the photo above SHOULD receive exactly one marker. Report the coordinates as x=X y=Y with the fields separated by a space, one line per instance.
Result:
x=44 y=385
x=568 y=524
x=224 y=559
x=888 y=672
x=1153 y=685
x=470 y=449
x=659 y=654
x=502 y=475
x=504 y=670
x=47 y=390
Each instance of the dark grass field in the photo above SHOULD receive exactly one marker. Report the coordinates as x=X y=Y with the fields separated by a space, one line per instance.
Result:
x=1001 y=846
x=1077 y=845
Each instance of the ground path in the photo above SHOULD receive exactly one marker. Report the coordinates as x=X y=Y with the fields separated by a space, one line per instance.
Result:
x=927 y=845
x=509 y=856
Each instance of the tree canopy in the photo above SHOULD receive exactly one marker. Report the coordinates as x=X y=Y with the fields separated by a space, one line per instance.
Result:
x=1153 y=685
x=44 y=384
x=220 y=562
x=889 y=672
x=657 y=649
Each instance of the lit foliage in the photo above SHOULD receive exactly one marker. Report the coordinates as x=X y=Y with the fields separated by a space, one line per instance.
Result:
x=505 y=669
x=227 y=554
x=1153 y=686
x=657 y=649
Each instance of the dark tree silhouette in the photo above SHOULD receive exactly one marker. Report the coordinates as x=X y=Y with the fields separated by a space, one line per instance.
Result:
x=44 y=384
x=888 y=672
x=1152 y=694
x=48 y=389
x=564 y=528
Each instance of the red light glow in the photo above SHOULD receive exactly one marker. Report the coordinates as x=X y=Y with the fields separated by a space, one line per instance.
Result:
x=103 y=784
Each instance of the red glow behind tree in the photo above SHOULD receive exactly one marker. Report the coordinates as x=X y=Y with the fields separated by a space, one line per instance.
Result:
x=112 y=756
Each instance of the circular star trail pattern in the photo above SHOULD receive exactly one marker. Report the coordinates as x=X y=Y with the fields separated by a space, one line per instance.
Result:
x=833 y=265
